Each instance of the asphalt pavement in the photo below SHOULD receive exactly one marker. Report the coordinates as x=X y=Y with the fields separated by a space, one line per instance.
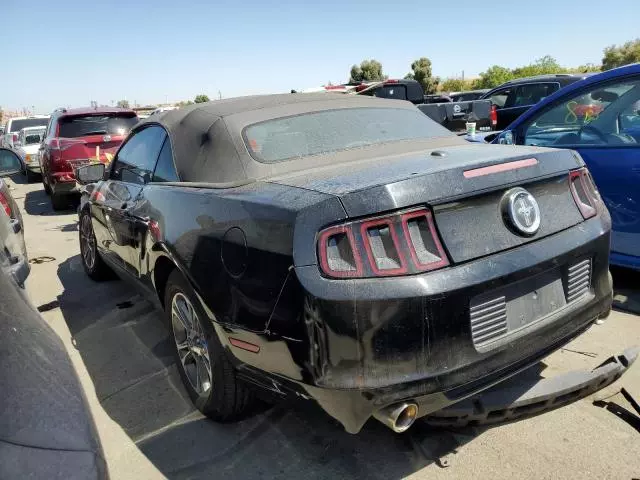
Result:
x=149 y=429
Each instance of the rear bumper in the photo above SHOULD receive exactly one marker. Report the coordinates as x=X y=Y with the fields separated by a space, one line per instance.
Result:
x=382 y=341
x=520 y=397
x=626 y=261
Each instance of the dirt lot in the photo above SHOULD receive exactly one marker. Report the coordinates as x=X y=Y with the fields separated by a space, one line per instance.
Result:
x=149 y=428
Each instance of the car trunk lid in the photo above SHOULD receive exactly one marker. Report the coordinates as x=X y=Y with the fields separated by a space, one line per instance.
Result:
x=464 y=185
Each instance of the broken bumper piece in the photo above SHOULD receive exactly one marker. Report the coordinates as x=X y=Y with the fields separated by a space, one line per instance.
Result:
x=516 y=398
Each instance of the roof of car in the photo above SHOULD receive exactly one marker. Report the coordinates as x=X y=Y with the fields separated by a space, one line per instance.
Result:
x=558 y=77
x=94 y=111
x=632 y=69
x=202 y=134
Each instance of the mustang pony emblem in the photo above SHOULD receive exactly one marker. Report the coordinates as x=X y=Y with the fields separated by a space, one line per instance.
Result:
x=521 y=211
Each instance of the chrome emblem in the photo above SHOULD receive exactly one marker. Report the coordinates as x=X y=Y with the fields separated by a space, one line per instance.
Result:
x=457 y=109
x=106 y=138
x=522 y=211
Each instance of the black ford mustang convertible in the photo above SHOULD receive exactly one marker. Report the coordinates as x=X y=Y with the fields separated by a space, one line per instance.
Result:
x=347 y=250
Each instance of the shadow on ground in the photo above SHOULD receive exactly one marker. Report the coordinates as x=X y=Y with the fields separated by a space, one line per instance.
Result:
x=37 y=202
x=626 y=289
x=123 y=343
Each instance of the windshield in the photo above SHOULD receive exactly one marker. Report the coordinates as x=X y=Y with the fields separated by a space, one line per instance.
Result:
x=80 y=126
x=18 y=125
x=333 y=130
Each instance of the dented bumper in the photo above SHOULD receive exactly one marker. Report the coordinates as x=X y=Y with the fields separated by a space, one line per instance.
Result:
x=518 y=398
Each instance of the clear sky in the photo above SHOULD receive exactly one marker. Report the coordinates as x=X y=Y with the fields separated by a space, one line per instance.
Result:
x=69 y=52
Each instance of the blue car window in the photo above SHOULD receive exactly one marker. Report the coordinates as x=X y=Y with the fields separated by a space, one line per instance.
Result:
x=602 y=115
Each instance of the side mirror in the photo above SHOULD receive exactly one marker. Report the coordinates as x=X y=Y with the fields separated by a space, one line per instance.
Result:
x=9 y=163
x=506 y=138
x=90 y=173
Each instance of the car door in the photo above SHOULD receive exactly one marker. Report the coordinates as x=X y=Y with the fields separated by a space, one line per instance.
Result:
x=602 y=122
x=113 y=221
x=502 y=98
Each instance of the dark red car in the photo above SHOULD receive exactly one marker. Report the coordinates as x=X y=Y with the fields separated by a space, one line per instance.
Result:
x=77 y=137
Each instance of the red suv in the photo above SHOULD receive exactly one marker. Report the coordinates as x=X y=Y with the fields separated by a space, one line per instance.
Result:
x=76 y=137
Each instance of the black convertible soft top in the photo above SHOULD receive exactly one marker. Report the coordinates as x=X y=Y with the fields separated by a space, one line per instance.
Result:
x=207 y=142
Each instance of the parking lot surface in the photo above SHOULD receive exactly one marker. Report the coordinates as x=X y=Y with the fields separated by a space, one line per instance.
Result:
x=149 y=428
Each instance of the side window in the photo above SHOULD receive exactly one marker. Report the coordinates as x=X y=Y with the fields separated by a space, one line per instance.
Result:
x=165 y=169
x=532 y=93
x=51 y=127
x=137 y=158
x=499 y=98
x=600 y=115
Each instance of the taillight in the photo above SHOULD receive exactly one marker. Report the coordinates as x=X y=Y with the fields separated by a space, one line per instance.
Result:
x=398 y=244
x=493 y=116
x=6 y=206
x=15 y=137
x=584 y=192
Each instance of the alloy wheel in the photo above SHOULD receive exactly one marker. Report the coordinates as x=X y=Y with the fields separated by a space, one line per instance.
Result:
x=191 y=343
x=87 y=242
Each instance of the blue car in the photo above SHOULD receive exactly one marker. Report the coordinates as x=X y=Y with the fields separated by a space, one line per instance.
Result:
x=598 y=117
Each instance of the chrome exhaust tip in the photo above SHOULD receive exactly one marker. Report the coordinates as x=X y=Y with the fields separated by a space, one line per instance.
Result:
x=398 y=417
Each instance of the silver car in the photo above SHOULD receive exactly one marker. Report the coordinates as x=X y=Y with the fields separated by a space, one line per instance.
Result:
x=13 y=252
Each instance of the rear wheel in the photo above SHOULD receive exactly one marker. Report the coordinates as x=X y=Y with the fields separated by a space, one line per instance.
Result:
x=92 y=262
x=206 y=372
x=47 y=189
x=30 y=176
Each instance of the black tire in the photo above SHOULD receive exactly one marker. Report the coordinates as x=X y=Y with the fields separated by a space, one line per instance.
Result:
x=30 y=176
x=47 y=189
x=96 y=270
x=59 y=202
x=228 y=398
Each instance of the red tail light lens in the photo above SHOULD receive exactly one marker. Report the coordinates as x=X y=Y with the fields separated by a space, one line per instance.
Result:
x=15 y=137
x=397 y=244
x=6 y=206
x=584 y=192
x=339 y=256
x=493 y=116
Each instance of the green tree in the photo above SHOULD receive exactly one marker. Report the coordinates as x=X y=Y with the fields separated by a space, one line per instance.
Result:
x=586 y=68
x=201 y=98
x=123 y=104
x=422 y=74
x=617 y=56
x=542 y=66
x=456 y=85
x=367 y=71
x=493 y=77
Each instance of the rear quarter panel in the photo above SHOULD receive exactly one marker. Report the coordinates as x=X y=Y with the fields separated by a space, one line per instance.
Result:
x=236 y=245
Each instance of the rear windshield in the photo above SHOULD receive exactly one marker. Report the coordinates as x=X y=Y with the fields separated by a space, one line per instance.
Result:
x=33 y=137
x=18 y=125
x=80 y=126
x=333 y=130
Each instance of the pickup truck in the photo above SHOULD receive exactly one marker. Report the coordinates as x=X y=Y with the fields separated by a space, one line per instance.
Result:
x=451 y=115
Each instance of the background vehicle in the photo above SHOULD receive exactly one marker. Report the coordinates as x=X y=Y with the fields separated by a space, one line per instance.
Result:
x=515 y=97
x=468 y=95
x=27 y=148
x=162 y=110
x=47 y=430
x=348 y=250
x=440 y=108
x=15 y=124
x=13 y=252
x=77 y=137
x=599 y=118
